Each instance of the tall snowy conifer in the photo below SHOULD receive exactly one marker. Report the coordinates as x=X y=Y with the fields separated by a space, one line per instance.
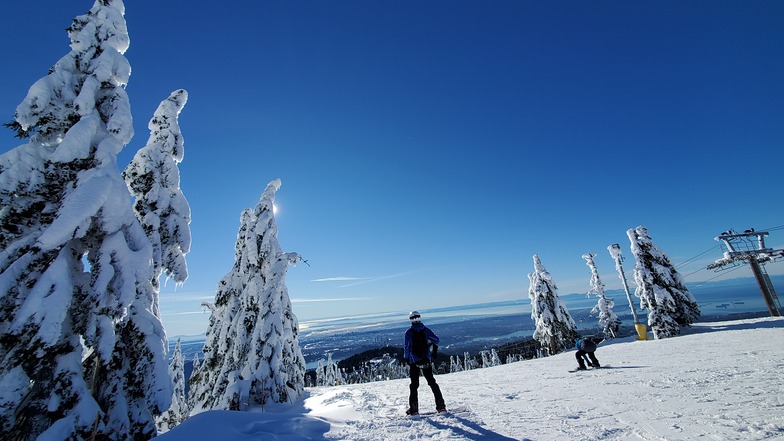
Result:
x=154 y=180
x=320 y=373
x=252 y=355
x=196 y=363
x=608 y=320
x=330 y=373
x=81 y=348
x=660 y=287
x=555 y=328
x=178 y=411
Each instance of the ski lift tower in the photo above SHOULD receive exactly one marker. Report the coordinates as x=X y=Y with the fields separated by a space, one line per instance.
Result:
x=743 y=247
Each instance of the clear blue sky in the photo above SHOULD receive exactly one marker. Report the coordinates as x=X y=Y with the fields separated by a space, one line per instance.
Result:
x=428 y=149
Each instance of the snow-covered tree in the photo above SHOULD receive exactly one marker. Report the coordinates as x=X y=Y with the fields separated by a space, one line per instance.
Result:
x=154 y=180
x=608 y=320
x=494 y=358
x=178 y=411
x=82 y=349
x=252 y=354
x=454 y=364
x=514 y=358
x=330 y=374
x=490 y=358
x=340 y=375
x=660 y=287
x=196 y=362
x=469 y=363
x=555 y=328
x=320 y=373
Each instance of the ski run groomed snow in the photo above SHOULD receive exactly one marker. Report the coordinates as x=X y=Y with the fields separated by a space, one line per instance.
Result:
x=716 y=381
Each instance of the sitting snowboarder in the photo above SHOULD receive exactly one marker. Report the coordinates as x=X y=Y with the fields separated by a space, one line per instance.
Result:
x=586 y=346
x=416 y=351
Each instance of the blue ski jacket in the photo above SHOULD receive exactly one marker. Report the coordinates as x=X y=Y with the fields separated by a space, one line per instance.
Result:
x=432 y=339
x=585 y=344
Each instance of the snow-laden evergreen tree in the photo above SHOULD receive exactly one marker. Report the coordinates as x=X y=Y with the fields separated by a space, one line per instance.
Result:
x=340 y=375
x=154 y=180
x=660 y=287
x=82 y=350
x=555 y=328
x=490 y=358
x=495 y=360
x=320 y=373
x=330 y=374
x=196 y=363
x=469 y=363
x=514 y=358
x=252 y=354
x=608 y=320
x=454 y=364
x=485 y=357
x=178 y=411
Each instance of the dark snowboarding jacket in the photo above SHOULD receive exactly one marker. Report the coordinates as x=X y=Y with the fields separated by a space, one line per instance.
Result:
x=408 y=353
x=585 y=344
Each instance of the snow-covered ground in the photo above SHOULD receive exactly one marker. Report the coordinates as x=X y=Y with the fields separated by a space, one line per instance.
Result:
x=720 y=381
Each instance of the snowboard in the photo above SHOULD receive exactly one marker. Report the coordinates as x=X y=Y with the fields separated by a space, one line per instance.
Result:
x=589 y=369
x=452 y=411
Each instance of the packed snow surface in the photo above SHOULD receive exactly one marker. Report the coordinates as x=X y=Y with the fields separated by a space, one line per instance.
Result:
x=718 y=381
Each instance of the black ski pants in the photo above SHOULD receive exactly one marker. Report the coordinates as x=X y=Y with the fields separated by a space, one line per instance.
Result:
x=413 y=398
x=591 y=355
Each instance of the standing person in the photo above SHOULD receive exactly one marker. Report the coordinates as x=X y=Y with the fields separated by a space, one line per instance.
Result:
x=418 y=342
x=587 y=346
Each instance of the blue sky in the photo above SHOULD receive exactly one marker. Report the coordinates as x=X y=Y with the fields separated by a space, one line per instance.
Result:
x=428 y=149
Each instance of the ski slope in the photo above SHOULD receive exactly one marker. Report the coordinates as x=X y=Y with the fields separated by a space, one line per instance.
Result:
x=720 y=381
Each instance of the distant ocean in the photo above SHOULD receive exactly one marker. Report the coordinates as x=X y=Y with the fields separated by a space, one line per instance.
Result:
x=716 y=300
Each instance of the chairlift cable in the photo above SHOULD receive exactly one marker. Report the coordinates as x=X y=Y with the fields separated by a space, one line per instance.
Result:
x=721 y=274
x=698 y=255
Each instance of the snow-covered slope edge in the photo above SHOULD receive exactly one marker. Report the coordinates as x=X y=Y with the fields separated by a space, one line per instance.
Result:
x=721 y=381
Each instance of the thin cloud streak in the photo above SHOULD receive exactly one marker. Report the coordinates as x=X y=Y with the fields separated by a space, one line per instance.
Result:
x=345 y=299
x=376 y=279
x=339 y=279
x=183 y=313
x=363 y=280
x=173 y=297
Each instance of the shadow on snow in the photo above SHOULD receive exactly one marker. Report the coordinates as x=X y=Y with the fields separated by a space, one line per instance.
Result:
x=476 y=431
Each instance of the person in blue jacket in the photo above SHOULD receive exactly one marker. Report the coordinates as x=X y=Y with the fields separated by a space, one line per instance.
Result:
x=419 y=342
x=586 y=346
